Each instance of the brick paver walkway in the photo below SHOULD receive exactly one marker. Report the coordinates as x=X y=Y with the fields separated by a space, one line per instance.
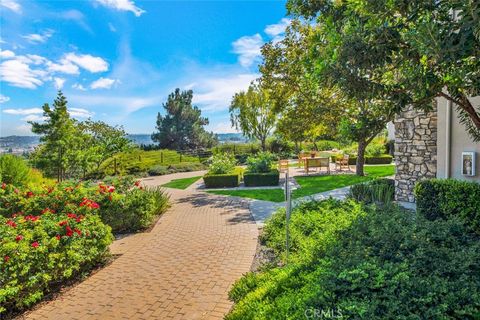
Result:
x=182 y=269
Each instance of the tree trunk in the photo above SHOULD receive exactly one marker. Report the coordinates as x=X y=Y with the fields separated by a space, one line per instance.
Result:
x=362 y=145
x=263 y=141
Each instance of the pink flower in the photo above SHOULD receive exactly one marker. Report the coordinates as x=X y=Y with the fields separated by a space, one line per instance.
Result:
x=35 y=244
x=4 y=185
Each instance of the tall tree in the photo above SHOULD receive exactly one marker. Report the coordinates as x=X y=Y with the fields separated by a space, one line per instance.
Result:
x=253 y=113
x=183 y=125
x=412 y=51
x=60 y=137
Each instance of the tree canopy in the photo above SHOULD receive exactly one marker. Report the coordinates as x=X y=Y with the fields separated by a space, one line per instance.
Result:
x=253 y=113
x=182 y=127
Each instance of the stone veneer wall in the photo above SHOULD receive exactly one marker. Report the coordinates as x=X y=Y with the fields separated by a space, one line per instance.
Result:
x=415 y=150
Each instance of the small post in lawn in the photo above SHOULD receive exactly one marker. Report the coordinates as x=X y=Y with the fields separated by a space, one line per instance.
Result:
x=288 y=208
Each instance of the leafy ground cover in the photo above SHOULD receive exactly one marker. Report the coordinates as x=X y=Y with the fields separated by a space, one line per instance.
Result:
x=183 y=183
x=274 y=195
x=361 y=262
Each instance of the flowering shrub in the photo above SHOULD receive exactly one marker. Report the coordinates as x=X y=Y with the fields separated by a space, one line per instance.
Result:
x=260 y=163
x=222 y=163
x=122 y=202
x=41 y=247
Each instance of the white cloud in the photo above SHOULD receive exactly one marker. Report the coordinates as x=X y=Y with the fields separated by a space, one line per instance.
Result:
x=23 y=112
x=122 y=5
x=87 y=62
x=19 y=74
x=248 y=49
x=80 y=113
x=215 y=93
x=58 y=82
x=12 y=5
x=103 y=83
x=63 y=66
x=4 y=99
x=38 y=38
x=5 y=54
x=33 y=117
x=128 y=104
x=76 y=16
x=78 y=86
x=274 y=30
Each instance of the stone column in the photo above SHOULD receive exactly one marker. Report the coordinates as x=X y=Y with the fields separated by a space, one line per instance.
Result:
x=415 y=150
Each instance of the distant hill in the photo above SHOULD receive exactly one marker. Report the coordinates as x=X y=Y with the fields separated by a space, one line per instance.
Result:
x=20 y=144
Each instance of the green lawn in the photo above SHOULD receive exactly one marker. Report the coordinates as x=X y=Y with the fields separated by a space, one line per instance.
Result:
x=317 y=184
x=274 y=195
x=183 y=183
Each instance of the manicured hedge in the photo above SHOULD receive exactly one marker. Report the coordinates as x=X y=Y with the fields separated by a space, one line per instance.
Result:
x=446 y=198
x=228 y=180
x=261 y=179
x=383 y=159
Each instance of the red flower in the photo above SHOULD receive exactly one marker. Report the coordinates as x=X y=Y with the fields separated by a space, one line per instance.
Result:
x=110 y=197
x=137 y=183
x=58 y=237
x=72 y=215
x=19 y=237
x=4 y=185
x=32 y=218
x=68 y=189
x=29 y=194
x=69 y=231
x=16 y=191
x=35 y=244
x=78 y=231
x=6 y=258
x=11 y=223
x=89 y=203
x=111 y=189
x=62 y=223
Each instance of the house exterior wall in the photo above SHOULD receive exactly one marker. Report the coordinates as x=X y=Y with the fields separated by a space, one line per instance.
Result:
x=460 y=142
x=415 y=150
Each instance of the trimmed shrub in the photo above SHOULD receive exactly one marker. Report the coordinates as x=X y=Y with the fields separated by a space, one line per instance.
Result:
x=447 y=198
x=253 y=179
x=39 y=248
x=222 y=163
x=371 y=264
x=382 y=159
x=227 y=180
x=260 y=163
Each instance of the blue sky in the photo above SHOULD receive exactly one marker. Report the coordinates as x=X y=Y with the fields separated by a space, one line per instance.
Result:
x=117 y=60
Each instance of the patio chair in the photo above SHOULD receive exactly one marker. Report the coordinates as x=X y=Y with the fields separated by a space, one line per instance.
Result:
x=301 y=159
x=317 y=163
x=342 y=163
x=283 y=165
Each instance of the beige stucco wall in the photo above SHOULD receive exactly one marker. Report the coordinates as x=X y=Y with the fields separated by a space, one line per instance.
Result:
x=460 y=142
